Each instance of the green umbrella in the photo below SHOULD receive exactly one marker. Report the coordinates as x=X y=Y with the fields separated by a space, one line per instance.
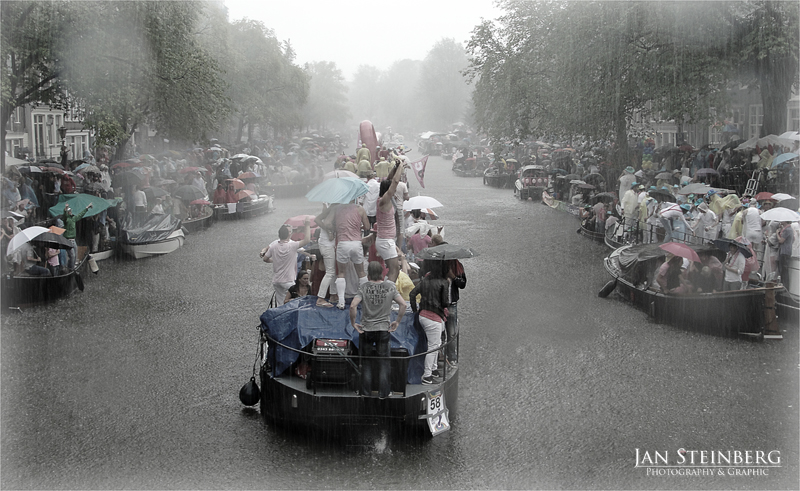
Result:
x=80 y=201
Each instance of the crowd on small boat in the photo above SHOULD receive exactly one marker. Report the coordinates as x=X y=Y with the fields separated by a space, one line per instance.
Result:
x=372 y=229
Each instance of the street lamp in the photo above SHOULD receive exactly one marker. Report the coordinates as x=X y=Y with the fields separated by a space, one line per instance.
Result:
x=62 y=132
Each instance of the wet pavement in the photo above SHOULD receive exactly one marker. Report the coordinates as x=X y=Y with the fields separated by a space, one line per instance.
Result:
x=134 y=382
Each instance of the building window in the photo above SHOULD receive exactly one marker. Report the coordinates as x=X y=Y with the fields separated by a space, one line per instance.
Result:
x=794 y=119
x=39 y=135
x=756 y=120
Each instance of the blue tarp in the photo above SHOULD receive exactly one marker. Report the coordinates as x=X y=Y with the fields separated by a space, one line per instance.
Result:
x=297 y=323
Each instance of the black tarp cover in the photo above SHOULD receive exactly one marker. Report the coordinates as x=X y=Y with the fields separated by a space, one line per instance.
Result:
x=300 y=321
x=157 y=227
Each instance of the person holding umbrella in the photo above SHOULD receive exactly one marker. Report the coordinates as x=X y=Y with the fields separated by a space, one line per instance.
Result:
x=734 y=267
x=70 y=222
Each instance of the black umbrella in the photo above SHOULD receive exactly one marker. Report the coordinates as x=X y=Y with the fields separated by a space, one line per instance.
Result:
x=661 y=193
x=725 y=245
x=127 y=179
x=604 y=196
x=189 y=193
x=445 y=252
x=91 y=187
x=53 y=241
x=154 y=192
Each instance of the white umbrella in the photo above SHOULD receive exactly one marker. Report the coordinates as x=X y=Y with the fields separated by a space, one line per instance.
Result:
x=24 y=236
x=763 y=142
x=790 y=135
x=420 y=202
x=781 y=215
x=781 y=196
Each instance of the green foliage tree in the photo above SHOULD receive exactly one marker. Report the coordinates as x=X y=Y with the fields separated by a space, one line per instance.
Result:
x=31 y=52
x=765 y=46
x=442 y=91
x=151 y=70
x=327 y=98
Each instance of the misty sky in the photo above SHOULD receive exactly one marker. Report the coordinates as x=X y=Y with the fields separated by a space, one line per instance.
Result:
x=358 y=32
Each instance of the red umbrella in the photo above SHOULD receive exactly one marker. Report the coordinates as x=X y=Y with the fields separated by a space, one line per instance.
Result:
x=237 y=184
x=248 y=175
x=244 y=193
x=680 y=249
x=200 y=202
x=53 y=169
x=763 y=195
x=124 y=165
x=297 y=223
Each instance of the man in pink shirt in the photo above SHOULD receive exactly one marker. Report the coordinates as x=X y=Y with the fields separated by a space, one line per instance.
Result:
x=282 y=253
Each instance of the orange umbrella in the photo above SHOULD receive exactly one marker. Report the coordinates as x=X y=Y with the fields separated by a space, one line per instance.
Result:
x=57 y=230
x=237 y=184
x=244 y=194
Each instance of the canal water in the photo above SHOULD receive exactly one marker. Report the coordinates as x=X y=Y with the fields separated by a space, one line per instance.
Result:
x=133 y=383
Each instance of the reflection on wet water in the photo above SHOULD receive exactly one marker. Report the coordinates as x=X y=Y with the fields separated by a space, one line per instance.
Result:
x=134 y=382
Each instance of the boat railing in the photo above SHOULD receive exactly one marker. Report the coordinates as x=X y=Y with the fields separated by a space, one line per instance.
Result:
x=267 y=340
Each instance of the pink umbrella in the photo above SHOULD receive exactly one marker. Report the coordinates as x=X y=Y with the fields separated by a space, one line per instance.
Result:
x=244 y=194
x=297 y=223
x=248 y=175
x=200 y=202
x=680 y=249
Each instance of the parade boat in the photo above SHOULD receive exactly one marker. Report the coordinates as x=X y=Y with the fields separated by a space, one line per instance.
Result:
x=309 y=371
x=159 y=235
x=27 y=291
x=467 y=167
x=495 y=177
x=245 y=209
x=730 y=313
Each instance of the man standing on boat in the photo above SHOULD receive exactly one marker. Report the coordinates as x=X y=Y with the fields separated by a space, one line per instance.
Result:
x=387 y=227
x=282 y=253
x=69 y=231
x=376 y=296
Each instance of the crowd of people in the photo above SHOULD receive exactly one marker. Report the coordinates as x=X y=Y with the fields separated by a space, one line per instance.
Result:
x=366 y=250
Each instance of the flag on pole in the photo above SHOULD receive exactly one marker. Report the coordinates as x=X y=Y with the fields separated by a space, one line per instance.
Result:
x=419 y=169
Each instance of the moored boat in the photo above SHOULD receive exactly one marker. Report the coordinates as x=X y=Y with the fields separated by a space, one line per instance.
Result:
x=309 y=369
x=729 y=313
x=201 y=222
x=532 y=181
x=244 y=209
x=494 y=177
x=159 y=235
x=26 y=291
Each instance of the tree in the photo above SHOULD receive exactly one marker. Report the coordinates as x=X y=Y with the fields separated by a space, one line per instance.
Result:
x=32 y=34
x=442 y=91
x=151 y=70
x=327 y=97
x=765 y=45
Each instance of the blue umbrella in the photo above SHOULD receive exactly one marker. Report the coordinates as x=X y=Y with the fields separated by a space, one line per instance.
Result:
x=783 y=158
x=339 y=190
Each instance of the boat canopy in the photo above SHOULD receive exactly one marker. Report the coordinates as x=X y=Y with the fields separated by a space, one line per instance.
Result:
x=297 y=323
x=157 y=228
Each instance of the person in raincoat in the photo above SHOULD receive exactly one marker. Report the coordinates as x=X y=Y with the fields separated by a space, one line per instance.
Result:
x=364 y=168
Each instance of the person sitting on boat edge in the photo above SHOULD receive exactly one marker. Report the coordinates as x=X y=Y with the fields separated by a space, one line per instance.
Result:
x=282 y=253
x=376 y=297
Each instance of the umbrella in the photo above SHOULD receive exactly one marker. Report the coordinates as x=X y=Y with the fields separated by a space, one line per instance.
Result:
x=763 y=195
x=188 y=193
x=245 y=193
x=53 y=241
x=297 y=223
x=585 y=186
x=706 y=171
x=29 y=169
x=663 y=175
x=610 y=196
x=695 y=188
x=781 y=215
x=783 y=158
x=661 y=193
x=57 y=230
x=91 y=187
x=445 y=252
x=23 y=237
x=200 y=202
x=680 y=249
x=50 y=168
x=154 y=192
x=126 y=179
x=791 y=204
x=725 y=245
x=781 y=196
x=237 y=184
x=248 y=175
x=239 y=156
x=80 y=201
x=420 y=202
x=124 y=165
x=338 y=173
x=86 y=168
x=341 y=190
x=431 y=214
